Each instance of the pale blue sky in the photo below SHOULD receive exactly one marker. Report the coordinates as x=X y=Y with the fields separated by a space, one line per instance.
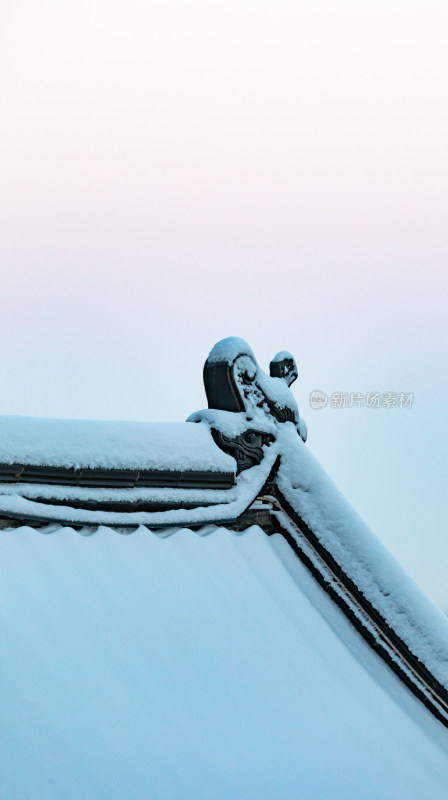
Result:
x=177 y=172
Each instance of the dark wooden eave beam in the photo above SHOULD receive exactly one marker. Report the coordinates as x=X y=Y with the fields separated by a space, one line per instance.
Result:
x=116 y=478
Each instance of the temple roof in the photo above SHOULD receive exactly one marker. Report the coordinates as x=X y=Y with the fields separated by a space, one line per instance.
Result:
x=246 y=575
x=195 y=665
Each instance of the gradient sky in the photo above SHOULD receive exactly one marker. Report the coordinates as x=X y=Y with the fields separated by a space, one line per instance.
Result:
x=176 y=172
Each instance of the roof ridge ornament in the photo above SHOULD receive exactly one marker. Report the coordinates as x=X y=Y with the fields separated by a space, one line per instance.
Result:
x=234 y=382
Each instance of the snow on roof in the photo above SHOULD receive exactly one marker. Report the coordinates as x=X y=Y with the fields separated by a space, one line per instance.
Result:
x=195 y=666
x=21 y=501
x=254 y=419
x=107 y=445
x=355 y=548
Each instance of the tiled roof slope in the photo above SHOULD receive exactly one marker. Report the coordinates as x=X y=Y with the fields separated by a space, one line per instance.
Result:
x=250 y=464
x=195 y=665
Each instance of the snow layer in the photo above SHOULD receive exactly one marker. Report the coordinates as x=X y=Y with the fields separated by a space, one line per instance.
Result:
x=282 y=356
x=195 y=667
x=229 y=349
x=234 y=423
x=137 y=494
x=248 y=485
x=413 y=616
x=277 y=390
x=110 y=445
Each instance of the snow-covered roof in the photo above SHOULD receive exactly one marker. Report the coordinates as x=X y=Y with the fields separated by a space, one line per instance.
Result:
x=195 y=665
x=189 y=624
x=85 y=444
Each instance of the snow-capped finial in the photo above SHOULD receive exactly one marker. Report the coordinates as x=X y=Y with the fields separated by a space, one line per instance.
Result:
x=283 y=366
x=229 y=349
x=234 y=382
